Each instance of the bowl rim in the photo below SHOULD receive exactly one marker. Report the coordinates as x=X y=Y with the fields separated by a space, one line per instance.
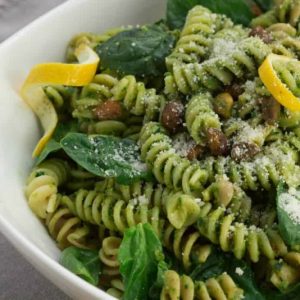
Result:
x=37 y=257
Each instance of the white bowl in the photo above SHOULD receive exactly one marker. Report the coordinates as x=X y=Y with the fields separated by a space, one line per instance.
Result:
x=45 y=40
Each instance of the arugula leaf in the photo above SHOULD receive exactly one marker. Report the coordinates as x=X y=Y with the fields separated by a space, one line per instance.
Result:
x=139 y=51
x=106 y=156
x=240 y=11
x=219 y=262
x=287 y=204
x=82 y=262
x=139 y=255
x=54 y=143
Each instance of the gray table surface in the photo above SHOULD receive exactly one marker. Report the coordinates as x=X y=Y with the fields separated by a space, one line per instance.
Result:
x=18 y=279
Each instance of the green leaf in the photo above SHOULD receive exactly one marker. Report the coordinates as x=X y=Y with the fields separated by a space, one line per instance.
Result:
x=240 y=11
x=288 y=214
x=139 y=51
x=219 y=262
x=54 y=143
x=82 y=262
x=139 y=256
x=106 y=156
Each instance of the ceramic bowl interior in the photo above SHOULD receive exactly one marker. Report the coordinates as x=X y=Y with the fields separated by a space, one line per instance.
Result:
x=45 y=40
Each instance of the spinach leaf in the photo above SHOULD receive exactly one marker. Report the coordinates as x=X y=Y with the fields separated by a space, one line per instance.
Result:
x=54 y=143
x=240 y=11
x=139 y=51
x=265 y=4
x=106 y=156
x=82 y=262
x=219 y=262
x=288 y=206
x=139 y=256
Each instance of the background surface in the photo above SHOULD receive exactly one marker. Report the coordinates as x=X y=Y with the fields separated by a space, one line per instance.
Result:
x=18 y=279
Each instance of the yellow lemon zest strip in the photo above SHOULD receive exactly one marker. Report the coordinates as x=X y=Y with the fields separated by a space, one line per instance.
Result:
x=275 y=86
x=56 y=73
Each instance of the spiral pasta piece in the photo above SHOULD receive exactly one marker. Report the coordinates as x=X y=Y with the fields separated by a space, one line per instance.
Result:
x=93 y=94
x=220 y=228
x=60 y=95
x=266 y=169
x=152 y=191
x=117 y=215
x=137 y=99
x=288 y=11
x=42 y=186
x=67 y=229
x=200 y=116
x=96 y=208
x=201 y=24
x=265 y=20
x=108 y=127
x=184 y=288
x=91 y=40
x=117 y=288
x=277 y=161
x=286 y=272
x=80 y=179
x=108 y=255
x=186 y=243
x=247 y=104
x=286 y=45
x=285 y=11
x=168 y=167
x=223 y=193
x=214 y=73
x=234 y=33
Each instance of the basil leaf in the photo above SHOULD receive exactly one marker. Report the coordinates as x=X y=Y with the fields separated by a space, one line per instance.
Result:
x=139 y=51
x=240 y=11
x=139 y=256
x=82 y=262
x=288 y=214
x=106 y=156
x=53 y=144
x=219 y=262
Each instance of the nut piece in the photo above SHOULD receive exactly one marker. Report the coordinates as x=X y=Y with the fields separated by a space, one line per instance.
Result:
x=270 y=109
x=235 y=90
x=244 y=150
x=263 y=34
x=109 y=110
x=217 y=141
x=195 y=152
x=172 y=116
x=256 y=10
x=223 y=105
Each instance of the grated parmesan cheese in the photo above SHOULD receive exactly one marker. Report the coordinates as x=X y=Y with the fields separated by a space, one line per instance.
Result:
x=140 y=200
x=182 y=144
x=222 y=48
x=291 y=205
x=239 y=271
